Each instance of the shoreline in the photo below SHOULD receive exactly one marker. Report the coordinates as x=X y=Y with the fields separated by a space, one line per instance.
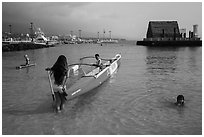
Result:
x=7 y=47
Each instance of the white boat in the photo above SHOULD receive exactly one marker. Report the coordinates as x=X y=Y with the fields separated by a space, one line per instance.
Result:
x=94 y=78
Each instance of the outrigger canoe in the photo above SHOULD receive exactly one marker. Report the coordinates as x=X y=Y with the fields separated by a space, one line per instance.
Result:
x=94 y=78
x=25 y=66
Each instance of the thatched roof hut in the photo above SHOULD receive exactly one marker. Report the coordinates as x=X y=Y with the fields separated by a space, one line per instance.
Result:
x=163 y=29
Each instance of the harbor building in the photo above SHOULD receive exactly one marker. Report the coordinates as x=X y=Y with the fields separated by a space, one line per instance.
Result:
x=167 y=33
x=168 y=30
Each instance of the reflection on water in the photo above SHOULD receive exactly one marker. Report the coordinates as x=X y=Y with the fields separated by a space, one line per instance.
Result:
x=161 y=65
x=138 y=99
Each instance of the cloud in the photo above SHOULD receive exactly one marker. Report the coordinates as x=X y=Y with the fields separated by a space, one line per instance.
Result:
x=122 y=18
x=17 y=10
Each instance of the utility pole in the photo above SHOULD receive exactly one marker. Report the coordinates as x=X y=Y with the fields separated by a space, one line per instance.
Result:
x=98 y=35
x=10 y=29
x=110 y=34
x=104 y=34
x=79 y=33
x=31 y=31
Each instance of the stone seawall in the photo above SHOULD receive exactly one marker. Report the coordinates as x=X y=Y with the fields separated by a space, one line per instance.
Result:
x=22 y=46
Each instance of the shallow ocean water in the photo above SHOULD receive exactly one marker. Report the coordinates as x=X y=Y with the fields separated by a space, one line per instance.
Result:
x=138 y=99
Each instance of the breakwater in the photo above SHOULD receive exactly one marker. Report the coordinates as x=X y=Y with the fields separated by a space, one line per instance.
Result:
x=188 y=43
x=23 y=46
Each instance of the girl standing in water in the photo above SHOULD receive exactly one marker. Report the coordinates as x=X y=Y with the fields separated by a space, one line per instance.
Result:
x=59 y=71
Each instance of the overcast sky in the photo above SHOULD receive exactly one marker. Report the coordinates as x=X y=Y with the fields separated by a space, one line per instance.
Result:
x=124 y=20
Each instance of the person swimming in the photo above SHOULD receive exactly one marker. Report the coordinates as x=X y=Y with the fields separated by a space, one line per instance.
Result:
x=180 y=100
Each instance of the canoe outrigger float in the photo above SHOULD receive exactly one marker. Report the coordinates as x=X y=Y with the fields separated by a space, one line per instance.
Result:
x=92 y=79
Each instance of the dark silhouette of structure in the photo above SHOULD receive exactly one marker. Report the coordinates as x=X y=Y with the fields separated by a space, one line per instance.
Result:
x=163 y=29
x=166 y=33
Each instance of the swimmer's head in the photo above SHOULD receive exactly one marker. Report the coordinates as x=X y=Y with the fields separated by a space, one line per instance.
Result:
x=180 y=100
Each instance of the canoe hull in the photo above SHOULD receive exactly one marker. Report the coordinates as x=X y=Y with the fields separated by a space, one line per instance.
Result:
x=86 y=84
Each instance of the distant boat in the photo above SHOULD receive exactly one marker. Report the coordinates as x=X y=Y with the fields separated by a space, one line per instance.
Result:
x=41 y=40
x=109 y=41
